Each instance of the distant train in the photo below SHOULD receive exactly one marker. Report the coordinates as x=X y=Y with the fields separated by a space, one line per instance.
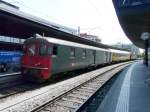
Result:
x=45 y=56
x=10 y=60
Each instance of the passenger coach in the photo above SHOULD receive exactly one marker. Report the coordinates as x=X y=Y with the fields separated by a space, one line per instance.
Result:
x=46 y=56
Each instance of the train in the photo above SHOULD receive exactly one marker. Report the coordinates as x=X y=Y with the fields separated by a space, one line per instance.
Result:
x=10 y=61
x=43 y=57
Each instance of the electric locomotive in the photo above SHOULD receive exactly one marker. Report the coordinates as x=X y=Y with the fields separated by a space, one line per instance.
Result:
x=46 y=56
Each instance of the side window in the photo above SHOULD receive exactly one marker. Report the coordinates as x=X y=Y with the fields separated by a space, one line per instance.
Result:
x=84 y=53
x=49 y=50
x=72 y=52
x=55 y=50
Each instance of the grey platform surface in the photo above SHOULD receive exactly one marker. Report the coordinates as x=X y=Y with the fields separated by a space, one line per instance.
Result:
x=130 y=92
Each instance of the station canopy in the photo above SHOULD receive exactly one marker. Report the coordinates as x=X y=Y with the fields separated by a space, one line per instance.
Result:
x=134 y=17
x=15 y=23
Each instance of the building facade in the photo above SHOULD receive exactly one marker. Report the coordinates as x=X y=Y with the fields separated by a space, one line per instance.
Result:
x=90 y=37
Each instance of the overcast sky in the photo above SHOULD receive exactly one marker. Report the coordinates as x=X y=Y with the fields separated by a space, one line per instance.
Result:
x=95 y=17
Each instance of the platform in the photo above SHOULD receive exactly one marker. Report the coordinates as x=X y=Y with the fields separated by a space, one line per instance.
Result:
x=130 y=92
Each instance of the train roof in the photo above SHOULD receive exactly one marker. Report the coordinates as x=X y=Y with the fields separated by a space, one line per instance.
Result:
x=64 y=42
x=73 y=44
x=119 y=51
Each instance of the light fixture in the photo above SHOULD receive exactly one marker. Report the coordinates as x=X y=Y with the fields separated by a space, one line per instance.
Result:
x=145 y=36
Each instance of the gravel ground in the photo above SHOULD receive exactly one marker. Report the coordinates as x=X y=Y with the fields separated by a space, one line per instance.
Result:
x=29 y=100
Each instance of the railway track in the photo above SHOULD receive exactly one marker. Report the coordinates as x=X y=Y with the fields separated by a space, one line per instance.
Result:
x=73 y=99
x=67 y=95
x=8 y=84
x=20 y=87
x=10 y=79
x=12 y=84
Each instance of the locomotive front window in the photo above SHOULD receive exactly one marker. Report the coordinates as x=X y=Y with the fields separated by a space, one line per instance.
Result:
x=43 y=49
x=31 y=50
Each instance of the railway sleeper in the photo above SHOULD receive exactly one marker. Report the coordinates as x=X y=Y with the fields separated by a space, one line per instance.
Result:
x=56 y=108
x=97 y=82
x=85 y=90
x=78 y=96
x=68 y=104
x=89 y=88
x=91 y=85
x=72 y=100
x=80 y=93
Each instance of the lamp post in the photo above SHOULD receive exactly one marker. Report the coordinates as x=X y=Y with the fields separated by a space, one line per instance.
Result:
x=145 y=36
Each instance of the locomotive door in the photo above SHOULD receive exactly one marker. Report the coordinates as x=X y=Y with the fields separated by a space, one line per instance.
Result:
x=94 y=57
x=44 y=59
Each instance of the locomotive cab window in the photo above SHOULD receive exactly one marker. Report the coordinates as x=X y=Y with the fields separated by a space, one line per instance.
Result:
x=31 y=50
x=72 y=52
x=55 y=50
x=43 y=49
